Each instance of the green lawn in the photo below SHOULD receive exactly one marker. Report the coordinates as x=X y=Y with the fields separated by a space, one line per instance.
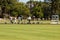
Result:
x=29 y=32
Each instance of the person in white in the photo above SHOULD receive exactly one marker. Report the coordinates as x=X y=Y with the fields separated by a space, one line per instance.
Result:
x=11 y=19
x=15 y=20
x=29 y=19
x=19 y=19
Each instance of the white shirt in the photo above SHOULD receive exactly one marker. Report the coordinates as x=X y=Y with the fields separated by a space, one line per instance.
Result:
x=19 y=18
x=11 y=18
x=29 y=18
x=15 y=19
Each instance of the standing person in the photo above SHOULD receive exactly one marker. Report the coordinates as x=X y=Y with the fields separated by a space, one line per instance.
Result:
x=5 y=20
x=34 y=18
x=19 y=19
x=11 y=20
x=29 y=19
x=15 y=20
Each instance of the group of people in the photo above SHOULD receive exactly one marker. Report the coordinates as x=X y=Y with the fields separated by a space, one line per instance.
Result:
x=18 y=19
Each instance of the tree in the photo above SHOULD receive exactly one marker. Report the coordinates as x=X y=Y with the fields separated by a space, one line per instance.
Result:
x=13 y=8
x=51 y=8
x=35 y=8
x=6 y=6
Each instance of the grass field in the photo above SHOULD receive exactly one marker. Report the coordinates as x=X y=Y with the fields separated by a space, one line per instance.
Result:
x=29 y=32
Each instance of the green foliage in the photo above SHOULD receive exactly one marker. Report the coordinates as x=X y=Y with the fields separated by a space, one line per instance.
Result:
x=36 y=10
x=40 y=9
x=14 y=13
x=22 y=9
x=13 y=7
